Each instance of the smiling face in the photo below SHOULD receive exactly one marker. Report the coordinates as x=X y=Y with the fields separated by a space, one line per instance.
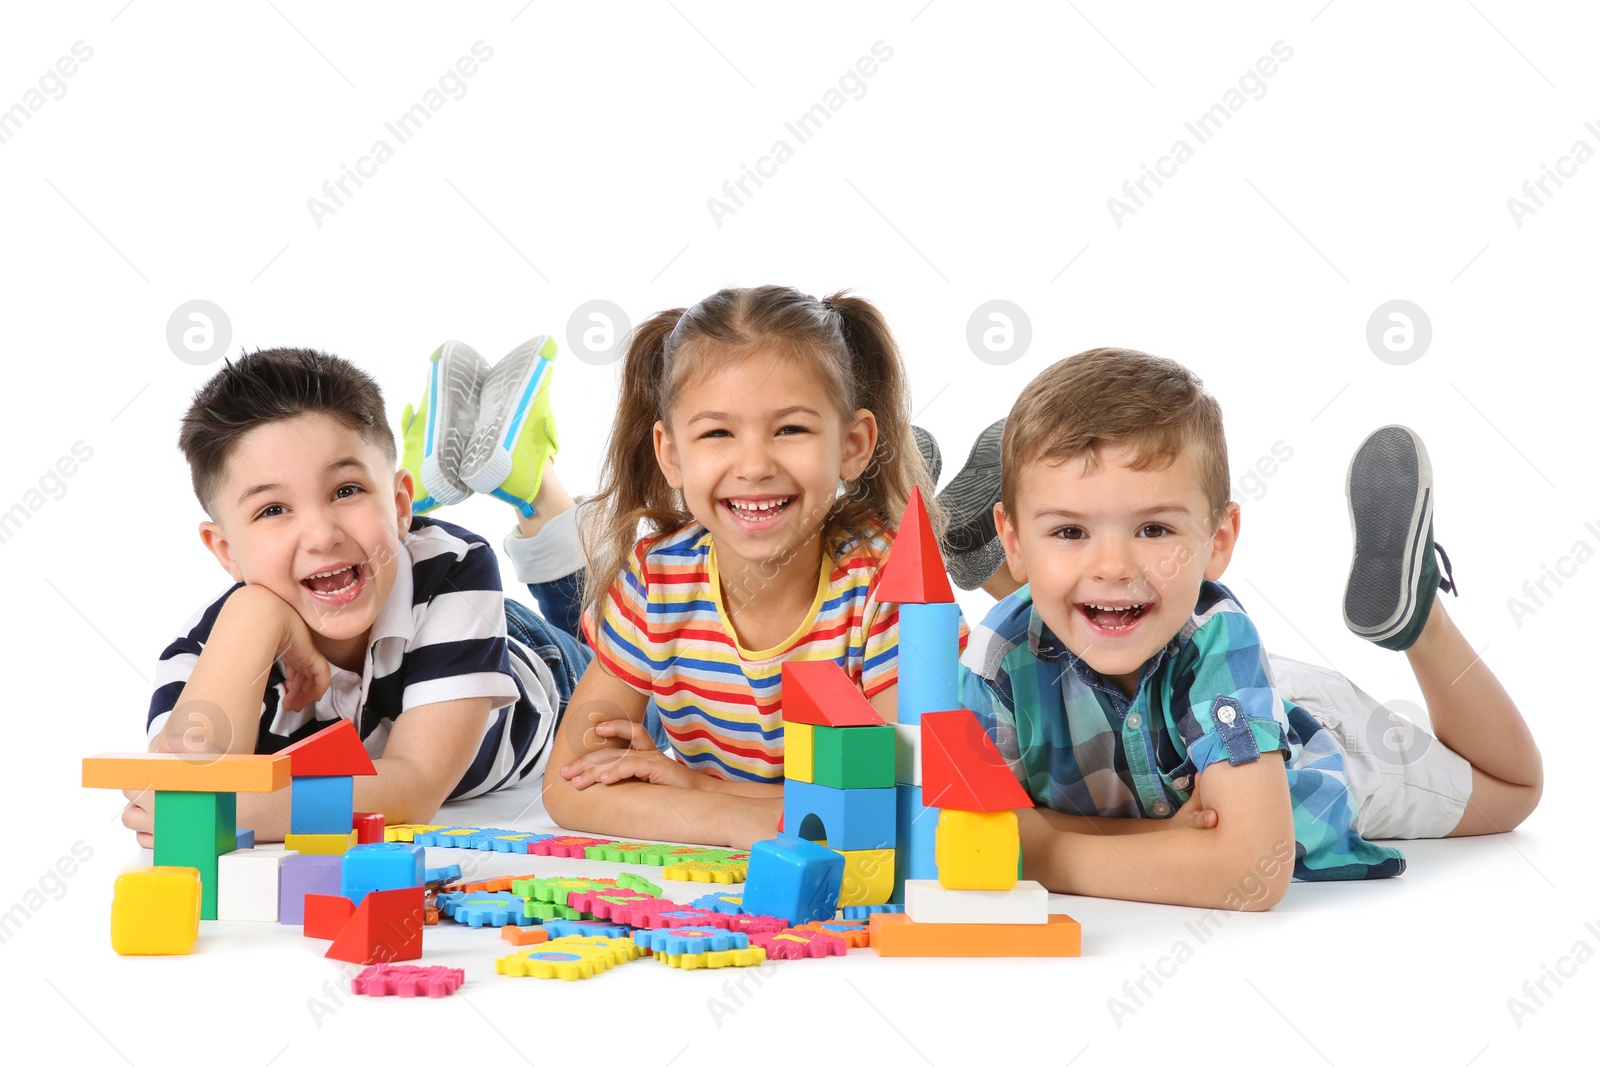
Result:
x=1115 y=556
x=757 y=449
x=312 y=511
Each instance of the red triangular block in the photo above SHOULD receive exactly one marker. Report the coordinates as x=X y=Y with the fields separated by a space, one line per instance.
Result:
x=962 y=769
x=820 y=693
x=914 y=571
x=386 y=927
x=334 y=751
x=325 y=915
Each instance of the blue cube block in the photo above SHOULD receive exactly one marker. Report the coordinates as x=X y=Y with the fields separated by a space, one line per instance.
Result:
x=322 y=805
x=848 y=819
x=929 y=649
x=382 y=865
x=915 y=828
x=793 y=879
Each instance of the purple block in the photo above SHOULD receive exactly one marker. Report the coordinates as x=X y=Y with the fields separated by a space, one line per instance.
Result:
x=300 y=875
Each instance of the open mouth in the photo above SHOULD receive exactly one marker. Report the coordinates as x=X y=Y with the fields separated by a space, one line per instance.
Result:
x=337 y=586
x=1112 y=618
x=756 y=512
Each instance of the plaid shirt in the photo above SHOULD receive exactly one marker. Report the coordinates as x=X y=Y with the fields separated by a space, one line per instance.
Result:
x=1079 y=746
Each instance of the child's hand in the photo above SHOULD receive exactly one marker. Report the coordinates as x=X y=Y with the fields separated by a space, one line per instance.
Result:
x=305 y=668
x=140 y=815
x=1194 y=815
x=622 y=749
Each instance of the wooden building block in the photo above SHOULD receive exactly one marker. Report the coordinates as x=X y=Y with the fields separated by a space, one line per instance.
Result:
x=897 y=935
x=155 y=911
x=799 y=749
x=181 y=773
x=868 y=877
x=977 y=849
x=854 y=757
x=930 y=902
x=247 y=884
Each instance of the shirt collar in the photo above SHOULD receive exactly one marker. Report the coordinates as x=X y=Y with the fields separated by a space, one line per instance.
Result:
x=395 y=618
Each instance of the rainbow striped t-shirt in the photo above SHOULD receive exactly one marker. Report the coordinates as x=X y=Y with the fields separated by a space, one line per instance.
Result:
x=664 y=631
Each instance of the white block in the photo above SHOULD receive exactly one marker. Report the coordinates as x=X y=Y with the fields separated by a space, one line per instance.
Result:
x=930 y=902
x=908 y=753
x=247 y=884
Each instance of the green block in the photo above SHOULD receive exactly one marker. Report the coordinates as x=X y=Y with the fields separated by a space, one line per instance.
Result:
x=192 y=830
x=853 y=757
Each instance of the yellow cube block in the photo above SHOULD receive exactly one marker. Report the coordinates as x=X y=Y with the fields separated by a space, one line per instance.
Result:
x=155 y=911
x=799 y=751
x=320 y=844
x=868 y=877
x=977 y=849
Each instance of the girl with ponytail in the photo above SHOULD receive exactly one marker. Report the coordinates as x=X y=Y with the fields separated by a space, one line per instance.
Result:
x=761 y=453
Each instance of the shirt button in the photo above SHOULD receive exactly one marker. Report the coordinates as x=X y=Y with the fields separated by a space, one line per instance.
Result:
x=1135 y=720
x=1181 y=783
x=1226 y=715
x=1161 y=810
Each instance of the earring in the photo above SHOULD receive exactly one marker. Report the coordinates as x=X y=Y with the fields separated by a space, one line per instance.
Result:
x=842 y=489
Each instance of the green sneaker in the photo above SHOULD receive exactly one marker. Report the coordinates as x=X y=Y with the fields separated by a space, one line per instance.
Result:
x=436 y=433
x=1394 y=577
x=515 y=433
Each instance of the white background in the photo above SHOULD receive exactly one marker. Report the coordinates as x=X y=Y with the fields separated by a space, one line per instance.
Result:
x=977 y=164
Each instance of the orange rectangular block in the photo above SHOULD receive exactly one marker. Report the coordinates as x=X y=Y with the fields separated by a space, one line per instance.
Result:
x=524 y=935
x=897 y=935
x=182 y=773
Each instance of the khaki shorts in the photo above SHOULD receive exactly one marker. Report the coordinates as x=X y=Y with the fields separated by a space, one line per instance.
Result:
x=1407 y=784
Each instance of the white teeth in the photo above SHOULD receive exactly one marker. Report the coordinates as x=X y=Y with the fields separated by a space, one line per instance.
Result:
x=329 y=574
x=1103 y=607
x=766 y=505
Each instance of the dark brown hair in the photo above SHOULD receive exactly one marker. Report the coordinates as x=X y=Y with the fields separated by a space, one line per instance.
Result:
x=268 y=385
x=843 y=338
x=1116 y=396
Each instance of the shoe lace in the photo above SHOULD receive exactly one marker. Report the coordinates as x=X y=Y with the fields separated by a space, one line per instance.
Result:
x=1447 y=581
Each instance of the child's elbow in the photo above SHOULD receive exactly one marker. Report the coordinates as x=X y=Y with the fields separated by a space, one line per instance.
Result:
x=1257 y=881
x=560 y=800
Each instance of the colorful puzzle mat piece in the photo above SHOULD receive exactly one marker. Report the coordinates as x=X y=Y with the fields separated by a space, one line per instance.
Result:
x=689 y=939
x=722 y=903
x=735 y=957
x=401 y=980
x=486 y=909
x=799 y=943
x=569 y=958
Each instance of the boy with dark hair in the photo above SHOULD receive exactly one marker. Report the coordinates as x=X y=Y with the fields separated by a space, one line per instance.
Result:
x=1124 y=683
x=349 y=605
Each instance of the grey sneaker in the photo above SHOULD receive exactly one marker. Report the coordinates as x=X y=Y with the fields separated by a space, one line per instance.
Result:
x=928 y=449
x=1393 y=573
x=972 y=552
x=436 y=432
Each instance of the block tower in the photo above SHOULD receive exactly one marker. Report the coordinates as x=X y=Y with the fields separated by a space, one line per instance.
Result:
x=930 y=622
x=322 y=797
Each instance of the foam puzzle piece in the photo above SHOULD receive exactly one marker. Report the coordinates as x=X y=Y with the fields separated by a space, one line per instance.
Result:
x=850 y=819
x=386 y=928
x=556 y=890
x=914 y=572
x=320 y=844
x=584 y=928
x=868 y=877
x=369 y=827
x=929 y=651
x=183 y=773
x=854 y=757
x=609 y=905
x=333 y=750
x=301 y=875
x=486 y=909
x=723 y=903
x=898 y=935
x=192 y=829
x=724 y=872
x=638 y=883
x=155 y=911
x=325 y=916
x=819 y=693
x=442 y=875
x=403 y=980
x=931 y=902
x=690 y=939
x=384 y=865
x=868 y=911
x=798 y=751
x=978 y=850
x=962 y=768
x=524 y=935
x=568 y=958
x=794 y=879
x=407 y=831
x=750 y=956
x=853 y=932
x=799 y=943
x=247 y=884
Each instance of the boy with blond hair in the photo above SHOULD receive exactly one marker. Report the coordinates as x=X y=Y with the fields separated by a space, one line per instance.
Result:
x=1170 y=758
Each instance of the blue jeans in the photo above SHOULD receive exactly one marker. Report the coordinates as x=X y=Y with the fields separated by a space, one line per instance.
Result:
x=555 y=635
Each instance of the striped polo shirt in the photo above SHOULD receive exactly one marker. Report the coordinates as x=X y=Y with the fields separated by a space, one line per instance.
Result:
x=664 y=631
x=441 y=635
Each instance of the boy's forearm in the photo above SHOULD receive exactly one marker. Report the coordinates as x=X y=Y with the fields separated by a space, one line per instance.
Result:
x=665 y=813
x=220 y=706
x=1196 y=868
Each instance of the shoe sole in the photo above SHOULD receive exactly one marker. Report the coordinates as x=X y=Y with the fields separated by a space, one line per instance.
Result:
x=1389 y=487
x=455 y=376
x=969 y=500
x=503 y=407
